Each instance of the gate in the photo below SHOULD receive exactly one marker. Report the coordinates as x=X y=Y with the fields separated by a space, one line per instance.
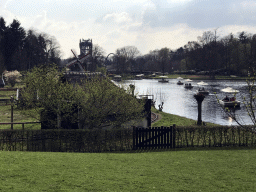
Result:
x=154 y=138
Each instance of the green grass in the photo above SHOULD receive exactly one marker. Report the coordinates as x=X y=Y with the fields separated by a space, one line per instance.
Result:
x=19 y=115
x=192 y=170
x=170 y=119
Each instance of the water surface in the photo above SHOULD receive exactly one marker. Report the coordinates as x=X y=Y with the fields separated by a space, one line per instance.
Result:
x=180 y=101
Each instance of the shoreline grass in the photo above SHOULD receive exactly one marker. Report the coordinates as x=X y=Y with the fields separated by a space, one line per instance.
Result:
x=167 y=120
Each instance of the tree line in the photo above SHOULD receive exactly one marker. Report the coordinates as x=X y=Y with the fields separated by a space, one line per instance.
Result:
x=22 y=50
x=210 y=54
x=233 y=54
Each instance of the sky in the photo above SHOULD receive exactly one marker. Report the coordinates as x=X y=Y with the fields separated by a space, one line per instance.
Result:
x=145 y=24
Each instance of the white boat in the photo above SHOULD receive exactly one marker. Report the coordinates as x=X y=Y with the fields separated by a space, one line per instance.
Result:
x=226 y=103
x=139 y=77
x=163 y=79
x=117 y=78
x=229 y=102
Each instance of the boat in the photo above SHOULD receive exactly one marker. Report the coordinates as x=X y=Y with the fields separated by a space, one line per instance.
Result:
x=188 y=86
x=228 y=103
x=117 y=78
x=139 y=77
x=203 y=91
x=163 y=79
x=180 y=83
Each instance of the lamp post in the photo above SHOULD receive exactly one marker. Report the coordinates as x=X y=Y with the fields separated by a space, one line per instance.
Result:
x=199 y=98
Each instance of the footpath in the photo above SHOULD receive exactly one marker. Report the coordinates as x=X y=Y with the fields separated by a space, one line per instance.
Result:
x=155 y=117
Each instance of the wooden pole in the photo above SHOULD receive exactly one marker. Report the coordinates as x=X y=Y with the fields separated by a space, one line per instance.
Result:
x=11 y=112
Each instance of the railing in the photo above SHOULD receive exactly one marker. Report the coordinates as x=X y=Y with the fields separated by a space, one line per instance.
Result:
x=5 y=100
x=62 y=140
x=19 y=123
x=98 y=140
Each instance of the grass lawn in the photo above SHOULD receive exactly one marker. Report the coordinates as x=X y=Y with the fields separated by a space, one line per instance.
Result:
x=19 y=115
x=191 y=170
x=167 y=120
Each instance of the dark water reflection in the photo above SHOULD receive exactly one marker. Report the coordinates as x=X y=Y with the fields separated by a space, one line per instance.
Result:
x=180 y=101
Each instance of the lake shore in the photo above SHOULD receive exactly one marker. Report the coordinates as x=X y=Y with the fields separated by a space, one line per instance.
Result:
x=193 y=77
x=167 y=119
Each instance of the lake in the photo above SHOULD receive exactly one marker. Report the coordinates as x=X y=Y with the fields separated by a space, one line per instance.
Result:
x=180 y=101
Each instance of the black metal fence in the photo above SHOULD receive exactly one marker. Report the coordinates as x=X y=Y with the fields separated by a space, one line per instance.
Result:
x=66 y=140
x=154 y=138
x=215 y=136
x=125 y=139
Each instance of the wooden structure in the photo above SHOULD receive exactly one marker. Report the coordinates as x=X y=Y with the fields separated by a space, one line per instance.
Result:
x=154 y=138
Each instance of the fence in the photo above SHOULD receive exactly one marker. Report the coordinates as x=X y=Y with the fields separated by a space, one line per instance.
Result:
x=66 y=140
x=124 y=139
x=154 y=138
x=19 y=123
x=215 y=137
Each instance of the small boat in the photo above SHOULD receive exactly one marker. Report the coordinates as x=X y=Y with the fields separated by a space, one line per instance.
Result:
x=229 y=102
x=180 y=83
x=139 y=77
x=117 y=78
x=188 y=86
x=226 y=103
x=203 y=91
x=163 y=79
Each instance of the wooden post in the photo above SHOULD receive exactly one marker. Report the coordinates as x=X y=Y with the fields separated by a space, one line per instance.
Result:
x=11 y=112
x=173 y=135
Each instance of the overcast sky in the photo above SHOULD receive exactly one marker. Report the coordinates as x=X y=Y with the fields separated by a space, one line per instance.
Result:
x=146 y=24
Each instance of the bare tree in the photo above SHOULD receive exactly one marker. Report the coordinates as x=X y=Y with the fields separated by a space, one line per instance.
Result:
x=124 y=56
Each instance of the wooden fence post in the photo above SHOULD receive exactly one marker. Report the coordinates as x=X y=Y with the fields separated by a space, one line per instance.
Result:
x=173 y=136
x=134 y=138
x=11 y=112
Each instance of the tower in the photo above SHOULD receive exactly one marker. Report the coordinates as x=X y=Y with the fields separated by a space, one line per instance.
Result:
x=86 y=48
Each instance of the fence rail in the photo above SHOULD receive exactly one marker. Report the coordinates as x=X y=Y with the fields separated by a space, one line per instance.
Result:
x=154 y=138
x=20 y=123
x=62 y=140
x=215 y=137
x=66 y=140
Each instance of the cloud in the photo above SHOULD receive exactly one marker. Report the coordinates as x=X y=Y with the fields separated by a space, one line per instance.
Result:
x=249 y=5
x=200 y=13
x=146 y=24
x=119 y=18
x=4 y=3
